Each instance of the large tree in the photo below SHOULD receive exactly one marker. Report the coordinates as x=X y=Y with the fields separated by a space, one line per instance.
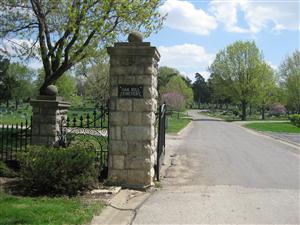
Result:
x=66 y=32
x=23 y=88
x=7 y=82
x=97 y=83
x=266 y=89
x=178 y=85
x=201 y=90
x=290 y=75
x=164 y=75
x=237 y=68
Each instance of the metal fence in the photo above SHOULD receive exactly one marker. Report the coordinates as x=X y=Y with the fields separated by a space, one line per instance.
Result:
x=13 y=139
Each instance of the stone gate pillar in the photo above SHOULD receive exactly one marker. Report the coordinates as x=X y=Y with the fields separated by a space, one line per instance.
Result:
x=133 y=103
x=47 y=112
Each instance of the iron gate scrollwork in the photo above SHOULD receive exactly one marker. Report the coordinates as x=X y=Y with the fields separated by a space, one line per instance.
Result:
x=91 y=131
x=161 y=138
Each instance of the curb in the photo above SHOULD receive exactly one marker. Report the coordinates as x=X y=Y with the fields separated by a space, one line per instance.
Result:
x=185 y=128
x=122 y=208
x=284 y=141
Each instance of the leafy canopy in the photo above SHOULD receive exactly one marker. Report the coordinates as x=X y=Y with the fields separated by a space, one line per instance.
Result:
x=65 y=32
x=289 y=72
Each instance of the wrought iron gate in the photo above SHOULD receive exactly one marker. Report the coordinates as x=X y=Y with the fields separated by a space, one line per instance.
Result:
x=161 y=134
x=90 y=131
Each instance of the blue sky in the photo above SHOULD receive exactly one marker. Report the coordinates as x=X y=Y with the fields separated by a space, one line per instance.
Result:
x=196 y=30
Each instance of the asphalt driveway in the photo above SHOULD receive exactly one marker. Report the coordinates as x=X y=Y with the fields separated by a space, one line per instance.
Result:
x=223 y=173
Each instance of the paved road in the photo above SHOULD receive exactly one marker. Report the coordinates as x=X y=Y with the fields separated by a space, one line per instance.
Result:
x=223 y=173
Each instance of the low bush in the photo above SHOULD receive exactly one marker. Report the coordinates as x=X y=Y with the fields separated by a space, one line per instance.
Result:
x=295 y=119
x=5 y=171
x=58 y=171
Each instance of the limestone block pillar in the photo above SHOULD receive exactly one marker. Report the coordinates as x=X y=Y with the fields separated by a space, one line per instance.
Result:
x=133 y=103
x=47 y=112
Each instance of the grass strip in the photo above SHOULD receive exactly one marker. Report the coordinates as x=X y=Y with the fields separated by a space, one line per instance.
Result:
x=46 y=210
x=176 y=124
x=284 y=127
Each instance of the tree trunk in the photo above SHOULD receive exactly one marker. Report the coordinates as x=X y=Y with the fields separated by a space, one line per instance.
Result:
x=17 y=104
x=263 y=113
x=7 y=104
x=250 y=109
x=244 y=110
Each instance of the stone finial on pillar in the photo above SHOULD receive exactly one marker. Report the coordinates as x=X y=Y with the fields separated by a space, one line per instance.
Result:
x=133 y=103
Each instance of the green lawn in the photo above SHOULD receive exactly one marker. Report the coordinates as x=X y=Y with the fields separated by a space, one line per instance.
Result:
x=176 y=124
x=45 y=210
x=284 y=127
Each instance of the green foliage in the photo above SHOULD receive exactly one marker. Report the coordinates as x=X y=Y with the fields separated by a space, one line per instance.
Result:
x=201 y=90
x=178 y=85
x=57 y=171
x=23 y=76
x=236 y=69
x=45 y=210
x=289 y=72
x=281 y=127
x=5 y=171
x=164 y=75
x=97 y=83
x=266 y=88
x=295 y=120
x=7 y=82
x=66 y=86
x=69 y=32
x=176 y=122
x=12 y=116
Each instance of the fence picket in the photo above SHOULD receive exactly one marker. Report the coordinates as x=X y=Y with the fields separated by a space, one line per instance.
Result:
x=14 y=138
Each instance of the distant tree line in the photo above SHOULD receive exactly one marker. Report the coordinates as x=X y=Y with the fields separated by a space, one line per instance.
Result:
x=240 y=76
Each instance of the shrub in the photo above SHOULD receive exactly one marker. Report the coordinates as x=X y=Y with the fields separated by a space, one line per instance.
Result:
x=58 y=171
x=295 y=120
x=5 y=171
x=277 y=109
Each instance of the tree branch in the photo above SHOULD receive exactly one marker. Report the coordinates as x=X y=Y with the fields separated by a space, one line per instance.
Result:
x=28 y=26
x=43 y=48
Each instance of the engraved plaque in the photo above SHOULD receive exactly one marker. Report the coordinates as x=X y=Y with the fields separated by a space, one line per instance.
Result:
x=130 y=91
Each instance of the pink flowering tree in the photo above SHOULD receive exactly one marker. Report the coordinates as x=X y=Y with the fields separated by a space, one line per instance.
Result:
x=174 y=100
x=277 y=109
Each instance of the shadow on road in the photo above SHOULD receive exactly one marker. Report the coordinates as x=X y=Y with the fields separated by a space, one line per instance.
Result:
x=210 y=120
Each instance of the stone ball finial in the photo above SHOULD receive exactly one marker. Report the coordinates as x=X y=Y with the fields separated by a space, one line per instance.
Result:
x=135 y=36
x=51 y=90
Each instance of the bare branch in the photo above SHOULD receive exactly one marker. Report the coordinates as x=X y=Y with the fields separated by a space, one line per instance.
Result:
x=28 y=26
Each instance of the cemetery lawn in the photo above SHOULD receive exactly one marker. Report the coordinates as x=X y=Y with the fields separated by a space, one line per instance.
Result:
x=46 y=210
x=280 y=127
x=176 y=124
x=229 y=117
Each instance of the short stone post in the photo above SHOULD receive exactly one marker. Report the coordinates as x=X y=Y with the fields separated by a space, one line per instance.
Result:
x=133 y=103
x=47 y=113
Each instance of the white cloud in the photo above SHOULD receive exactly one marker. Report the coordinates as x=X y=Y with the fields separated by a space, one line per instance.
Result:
x=273 y=66
x=187 y=58
x=277 y=14
x=205 y=74
x=183 y=15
